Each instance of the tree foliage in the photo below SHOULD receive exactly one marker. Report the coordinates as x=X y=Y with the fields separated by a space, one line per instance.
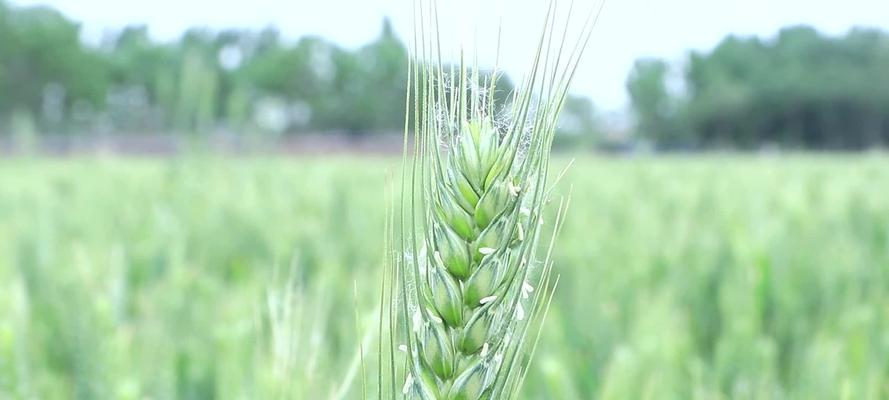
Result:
x=233 y=80
x=800 y=89
x=43 y=67
x=204 y=80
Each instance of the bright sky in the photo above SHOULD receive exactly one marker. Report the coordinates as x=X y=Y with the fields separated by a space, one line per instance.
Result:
x=627 y=29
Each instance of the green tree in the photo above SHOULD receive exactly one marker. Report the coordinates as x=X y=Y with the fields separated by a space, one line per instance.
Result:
x=800 y=89
x=373 y=83
x=41 y=56
x=204 y=80
x=579 y=124
x=655 y=110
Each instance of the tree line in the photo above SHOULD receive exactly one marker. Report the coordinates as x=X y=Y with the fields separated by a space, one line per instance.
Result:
x=236 y=80
x=129 y=82
x=800 y=89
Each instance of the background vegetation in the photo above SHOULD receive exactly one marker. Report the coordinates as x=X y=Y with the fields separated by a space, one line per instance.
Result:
x=130 y=83
x=798 y=90
x=237 y=81
x=199 y=276
x=214 y=278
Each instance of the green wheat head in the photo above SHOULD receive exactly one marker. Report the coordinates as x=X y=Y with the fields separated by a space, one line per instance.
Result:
x=469 y=285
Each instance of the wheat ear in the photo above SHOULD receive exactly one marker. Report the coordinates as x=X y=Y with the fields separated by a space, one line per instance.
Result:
x=468 y=282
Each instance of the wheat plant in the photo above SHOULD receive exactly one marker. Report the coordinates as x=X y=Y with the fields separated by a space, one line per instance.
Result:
x=471 y=277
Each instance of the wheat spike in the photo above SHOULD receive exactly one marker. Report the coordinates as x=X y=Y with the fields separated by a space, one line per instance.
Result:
x=467 y=266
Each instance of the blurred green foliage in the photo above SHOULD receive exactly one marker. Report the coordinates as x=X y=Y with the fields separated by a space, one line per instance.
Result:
x=201 y=278
x=800 y=89
x=234 y=78
x=189 y=280
x=237 y=81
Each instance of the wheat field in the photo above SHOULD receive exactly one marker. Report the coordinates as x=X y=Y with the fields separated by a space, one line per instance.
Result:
x=201 y=277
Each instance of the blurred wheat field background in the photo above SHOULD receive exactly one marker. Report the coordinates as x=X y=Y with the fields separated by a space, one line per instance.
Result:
x=203 y=277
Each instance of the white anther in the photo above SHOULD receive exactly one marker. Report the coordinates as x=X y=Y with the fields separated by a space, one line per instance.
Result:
x=526 y=289
x=407 y=384
x=525 y=211
x=418 y=320
x=484 y=350
x=527 y=286
x=433 y=316
x=402 y=348
x=487 y=300
x=513 y=189
x=520 y=312
x=486 y=250
x=521 y=234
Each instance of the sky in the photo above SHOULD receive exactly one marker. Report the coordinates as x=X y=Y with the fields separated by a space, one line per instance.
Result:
x=626 y=29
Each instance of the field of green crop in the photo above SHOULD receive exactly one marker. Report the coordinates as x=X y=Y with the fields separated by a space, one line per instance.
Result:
x=203 y=277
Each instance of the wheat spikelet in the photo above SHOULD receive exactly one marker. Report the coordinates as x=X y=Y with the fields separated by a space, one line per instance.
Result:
x=468 y=281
